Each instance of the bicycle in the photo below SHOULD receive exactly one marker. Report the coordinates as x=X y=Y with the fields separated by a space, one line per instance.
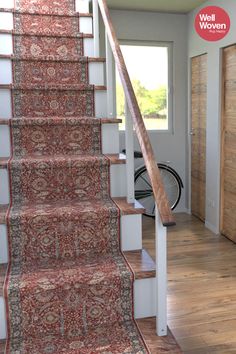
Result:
x=143 y=190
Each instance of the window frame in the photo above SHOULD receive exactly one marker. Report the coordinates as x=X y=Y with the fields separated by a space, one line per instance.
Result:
x=170 y=95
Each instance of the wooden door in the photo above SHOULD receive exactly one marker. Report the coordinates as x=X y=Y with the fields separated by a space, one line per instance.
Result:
x=198 y=145
x=228 y=151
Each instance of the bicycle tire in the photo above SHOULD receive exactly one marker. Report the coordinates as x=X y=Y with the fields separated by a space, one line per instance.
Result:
x=143 y=189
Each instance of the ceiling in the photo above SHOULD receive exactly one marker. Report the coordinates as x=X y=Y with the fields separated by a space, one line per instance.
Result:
x=173 y=6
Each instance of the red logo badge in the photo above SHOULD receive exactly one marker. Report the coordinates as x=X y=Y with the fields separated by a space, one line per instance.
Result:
x=212 y=23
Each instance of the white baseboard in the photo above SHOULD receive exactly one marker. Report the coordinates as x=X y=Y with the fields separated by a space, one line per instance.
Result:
x=212 y=228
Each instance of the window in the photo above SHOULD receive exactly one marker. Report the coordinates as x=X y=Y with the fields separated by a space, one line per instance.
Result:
x=150 y=69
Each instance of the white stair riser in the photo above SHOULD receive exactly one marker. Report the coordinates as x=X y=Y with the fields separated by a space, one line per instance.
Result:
x=86 y=25
x=6 y=46
x=6 y=21
x=4 y=245
x=5 y=103
x=6 y=110
x=109 y=146
x=88 y=47
x=3 y=329
x=118 y=180
x=131 y=232
x=5 y=144
x=100 y=104
x=96 y=73
x=80 y=5
x=131 y=236
x=8 y=4
x=144 y=300
x=110 y=139
x=4 y=187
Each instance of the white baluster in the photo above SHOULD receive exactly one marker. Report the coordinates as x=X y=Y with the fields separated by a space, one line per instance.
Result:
x=129 y=144
x=161 y=275
x=96 y=28
x=110 y=76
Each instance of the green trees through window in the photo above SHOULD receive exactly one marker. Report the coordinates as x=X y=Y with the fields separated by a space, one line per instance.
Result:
x=148 y=70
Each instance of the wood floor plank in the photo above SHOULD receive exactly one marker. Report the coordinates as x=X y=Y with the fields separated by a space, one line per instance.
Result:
x=201 y=286
x=157 y=345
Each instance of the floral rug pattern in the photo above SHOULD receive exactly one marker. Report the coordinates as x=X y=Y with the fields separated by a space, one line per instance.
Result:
x=68 y=287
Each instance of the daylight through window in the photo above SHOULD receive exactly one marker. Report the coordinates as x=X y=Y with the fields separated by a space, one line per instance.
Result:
x=150 y=72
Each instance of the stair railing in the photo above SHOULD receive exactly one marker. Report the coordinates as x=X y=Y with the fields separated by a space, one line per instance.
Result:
x=164 y=216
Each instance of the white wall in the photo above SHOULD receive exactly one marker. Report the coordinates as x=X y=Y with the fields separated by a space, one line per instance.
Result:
x=134 y=25
x=213 y=49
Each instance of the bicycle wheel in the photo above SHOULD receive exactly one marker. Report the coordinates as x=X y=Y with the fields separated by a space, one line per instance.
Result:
x=143 y=188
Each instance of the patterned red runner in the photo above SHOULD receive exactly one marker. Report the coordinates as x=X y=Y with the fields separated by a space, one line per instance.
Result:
x=68 y=288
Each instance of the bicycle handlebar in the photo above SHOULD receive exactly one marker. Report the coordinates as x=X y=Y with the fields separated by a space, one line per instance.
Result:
x=137 y=154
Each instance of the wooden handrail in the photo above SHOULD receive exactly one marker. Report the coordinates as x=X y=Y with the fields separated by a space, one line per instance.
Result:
x=143 y=138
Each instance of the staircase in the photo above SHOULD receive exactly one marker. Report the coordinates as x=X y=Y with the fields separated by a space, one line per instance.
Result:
x=73 y=273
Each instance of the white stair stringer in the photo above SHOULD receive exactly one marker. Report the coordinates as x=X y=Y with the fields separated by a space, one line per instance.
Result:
x=130 y=225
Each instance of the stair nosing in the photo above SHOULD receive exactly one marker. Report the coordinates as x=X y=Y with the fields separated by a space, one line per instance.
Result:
x=128 y=208
x=53 y=88
x=147 y=268
x=147 y=263
x=14 y=11
x=7 y=121
x=131 y=209
x=46 y=59
x=15 y=33
x=116 y=159
x=3 y=213
x=4 y=161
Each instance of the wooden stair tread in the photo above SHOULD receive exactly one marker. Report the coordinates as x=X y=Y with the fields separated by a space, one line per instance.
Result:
x=54 y=87
x=111 y=120
x=116 y=159
x=3 y=162
x=5 y=121
x=155 y=344
x=3 y=212
x=76 y=14
x=128 y=208
x=80 y=35
x=166 y=344
x=141 y=263
x=90 y=59
x=3 y=269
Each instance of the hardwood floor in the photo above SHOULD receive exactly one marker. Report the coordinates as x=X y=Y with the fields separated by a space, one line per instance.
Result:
x=201 y=288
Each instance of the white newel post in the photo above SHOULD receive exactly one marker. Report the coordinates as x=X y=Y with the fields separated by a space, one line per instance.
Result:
x=161 y=275
x=96 y=28
x=111 y=80
x=129 y=145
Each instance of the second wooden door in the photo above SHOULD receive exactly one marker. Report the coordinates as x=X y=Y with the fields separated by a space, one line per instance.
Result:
x=228 y=154
x=198 y=132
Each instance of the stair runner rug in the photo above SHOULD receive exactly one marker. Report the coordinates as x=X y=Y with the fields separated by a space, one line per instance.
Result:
x=68 y=287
